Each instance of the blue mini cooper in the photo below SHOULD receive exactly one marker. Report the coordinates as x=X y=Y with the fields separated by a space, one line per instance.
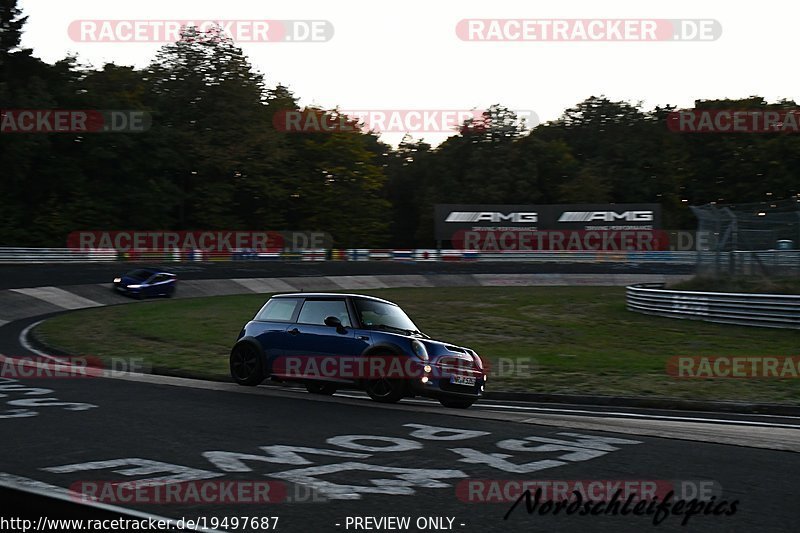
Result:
x=330 y=341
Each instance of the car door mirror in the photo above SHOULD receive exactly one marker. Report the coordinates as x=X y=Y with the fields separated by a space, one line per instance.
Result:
x=333 y=322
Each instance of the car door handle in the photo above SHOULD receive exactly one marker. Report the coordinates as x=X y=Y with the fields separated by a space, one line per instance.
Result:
x=294 y=331
x=363 y=338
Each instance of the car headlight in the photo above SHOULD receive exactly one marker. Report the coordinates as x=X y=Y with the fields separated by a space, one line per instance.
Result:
x=117 y=280
x=419 y=349
x=134 y=286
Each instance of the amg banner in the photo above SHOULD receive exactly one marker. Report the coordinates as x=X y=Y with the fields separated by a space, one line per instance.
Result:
x=551 y=227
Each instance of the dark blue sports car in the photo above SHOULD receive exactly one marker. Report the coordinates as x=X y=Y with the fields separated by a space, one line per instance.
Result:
x=330 y=341
x=146 y=282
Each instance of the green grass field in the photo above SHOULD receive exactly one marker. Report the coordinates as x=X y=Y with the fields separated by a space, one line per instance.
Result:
x=582 y=340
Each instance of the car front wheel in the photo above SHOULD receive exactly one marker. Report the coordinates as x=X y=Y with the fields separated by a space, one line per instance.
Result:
x=386 y=390
x=382 y=388
x=246 y=366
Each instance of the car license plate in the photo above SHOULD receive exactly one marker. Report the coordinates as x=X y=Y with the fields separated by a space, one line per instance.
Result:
x=462 y=380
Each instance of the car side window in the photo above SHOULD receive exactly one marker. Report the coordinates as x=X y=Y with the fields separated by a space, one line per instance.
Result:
x=316 y=311
x=278 y=310
x=159 y=278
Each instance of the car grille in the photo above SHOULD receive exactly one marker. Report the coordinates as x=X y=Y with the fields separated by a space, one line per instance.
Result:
x=457 y=364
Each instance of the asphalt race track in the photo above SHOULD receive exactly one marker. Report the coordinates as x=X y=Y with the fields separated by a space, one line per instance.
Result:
x=12 y=276
x=348 y=464
x=99 y=429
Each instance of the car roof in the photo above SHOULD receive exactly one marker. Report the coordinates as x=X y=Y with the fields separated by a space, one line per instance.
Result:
x=330 y=295
x=153 y=270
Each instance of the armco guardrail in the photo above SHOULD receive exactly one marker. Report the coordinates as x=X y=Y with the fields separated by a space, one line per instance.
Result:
x=764 y=310
x=67 y=255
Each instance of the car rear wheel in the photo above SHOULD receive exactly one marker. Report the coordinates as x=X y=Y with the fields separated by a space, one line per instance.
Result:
x=320 y=388
x=456 y=404
x=245 y=364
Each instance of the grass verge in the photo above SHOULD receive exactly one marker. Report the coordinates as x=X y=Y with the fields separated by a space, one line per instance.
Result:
x=750 y=285
x=581 y=340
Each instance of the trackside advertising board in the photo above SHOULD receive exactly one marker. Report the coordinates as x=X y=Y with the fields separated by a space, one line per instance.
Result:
x=577 y=227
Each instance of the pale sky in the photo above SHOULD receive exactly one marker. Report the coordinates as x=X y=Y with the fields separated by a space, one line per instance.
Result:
x=406 y=55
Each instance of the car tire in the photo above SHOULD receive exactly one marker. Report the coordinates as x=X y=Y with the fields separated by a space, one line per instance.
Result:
x=246 y=365
x=456 y=404
x=325 y=389
x=385 y=390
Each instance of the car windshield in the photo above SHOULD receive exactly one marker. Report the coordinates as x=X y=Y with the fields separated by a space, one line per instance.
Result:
x=374 y=314
x=139 y=274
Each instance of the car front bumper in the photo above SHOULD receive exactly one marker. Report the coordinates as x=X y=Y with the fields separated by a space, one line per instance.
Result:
x=125 y=290
x=447 y=382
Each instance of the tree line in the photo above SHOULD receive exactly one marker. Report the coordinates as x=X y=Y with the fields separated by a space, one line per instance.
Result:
x=213 y=158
